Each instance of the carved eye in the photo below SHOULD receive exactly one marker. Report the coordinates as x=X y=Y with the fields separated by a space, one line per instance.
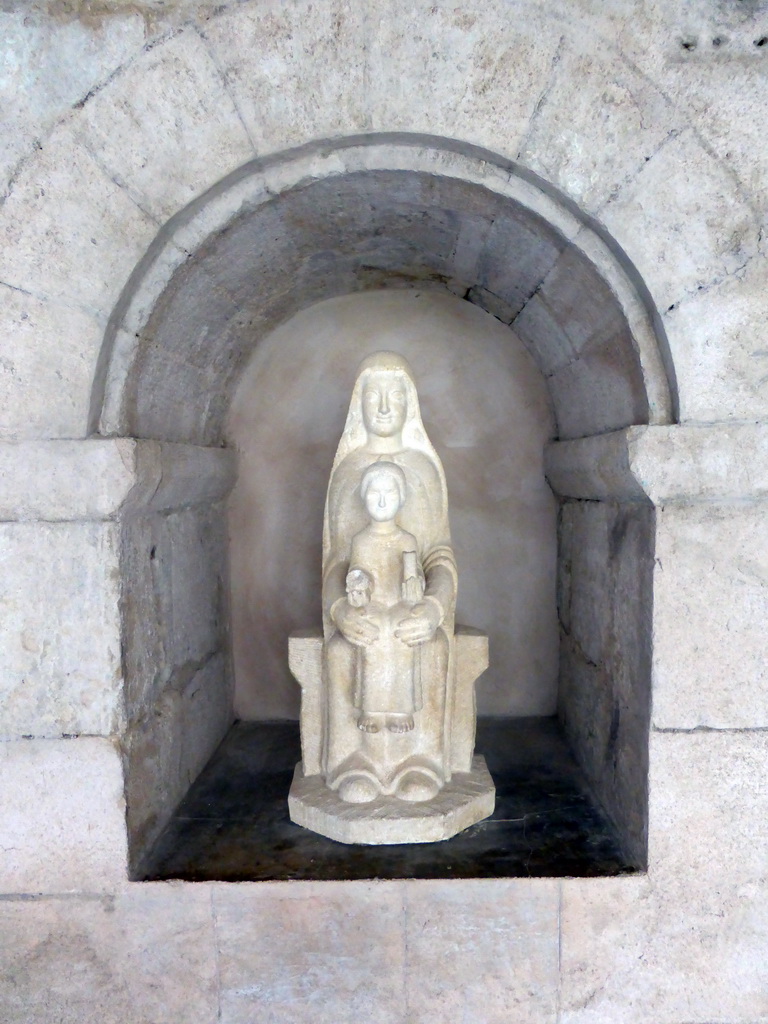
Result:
x=397 y=395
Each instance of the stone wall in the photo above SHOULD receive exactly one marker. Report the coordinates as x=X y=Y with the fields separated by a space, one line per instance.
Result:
x=646 y=119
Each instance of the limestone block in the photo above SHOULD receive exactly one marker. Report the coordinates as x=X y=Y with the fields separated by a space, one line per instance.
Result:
x=169 y=746
x=75 y=59
x=69 y=232
x=206 y=714
x=62 y=816
x=99 y=478
x=718 y=339
x=664 y=464
x=471 y=80
x=47 y=350
x=175 y=93
x=710 y=605
x=594 y=393
x=689 y=941
x=195 y=540
x=173 y=566
x=604 y=603
x=65 y=480
x=174 y=476
x=708 y=811
x=59 y=629
x=484 y=951
x=632 y=953
x=296 y=70
x=154 y=773
x=682 y=221
x=723 y=92
x=145 y=955
x=311 y=953
x=596 y=467
x=591 y=140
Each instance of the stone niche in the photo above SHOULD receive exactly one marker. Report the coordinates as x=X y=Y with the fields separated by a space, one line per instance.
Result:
x=239 y=334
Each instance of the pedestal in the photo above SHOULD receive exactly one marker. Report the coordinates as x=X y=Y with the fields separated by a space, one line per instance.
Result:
x=469 y=797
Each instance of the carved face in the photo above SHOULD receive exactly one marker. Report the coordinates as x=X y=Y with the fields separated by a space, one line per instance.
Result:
x=384 y=403
x=383 y=497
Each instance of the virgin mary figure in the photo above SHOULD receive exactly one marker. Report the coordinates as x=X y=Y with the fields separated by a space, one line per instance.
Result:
x=395 y=754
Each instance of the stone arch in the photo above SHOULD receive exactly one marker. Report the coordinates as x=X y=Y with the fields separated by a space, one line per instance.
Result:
x=329 y=219
x=344 y=216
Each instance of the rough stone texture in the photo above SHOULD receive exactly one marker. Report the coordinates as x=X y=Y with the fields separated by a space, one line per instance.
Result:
x=481 y=951
x=702 y=226
x=478 y=73
x=343 y=942
x=690 y=941
x=630 y=949
x=45 y=382
x=61 y=481
x=718 y=337
x=62 y=816
x=604 y=603
x=174 y=578
x=57 y=246
x=177 y=94
x=710 y=648
x=59 y=629
x=167 y=748
x=145 y=955
x=308 y=78
x=664 y=465
x=593 y=140
x=65 y=480
x=501 y=511
x=76 y=60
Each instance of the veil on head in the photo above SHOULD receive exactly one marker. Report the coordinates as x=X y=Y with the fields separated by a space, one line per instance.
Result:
x=355 y=438
x=355 y=434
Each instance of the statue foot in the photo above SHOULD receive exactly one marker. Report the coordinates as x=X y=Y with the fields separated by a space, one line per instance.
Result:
x=400 y=723
x=416 y=787
x=358 y=790
x=368 y=723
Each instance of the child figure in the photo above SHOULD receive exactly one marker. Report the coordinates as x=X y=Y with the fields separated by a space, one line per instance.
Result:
x=384 y=582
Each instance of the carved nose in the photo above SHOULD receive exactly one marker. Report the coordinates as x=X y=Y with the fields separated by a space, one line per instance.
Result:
x=384 y=405
x=382 y=500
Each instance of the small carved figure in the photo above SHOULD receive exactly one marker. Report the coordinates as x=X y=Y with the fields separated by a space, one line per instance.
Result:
x=385 y=583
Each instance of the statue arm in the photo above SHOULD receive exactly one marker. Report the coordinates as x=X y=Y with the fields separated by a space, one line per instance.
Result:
x=438 y=602
x=354 y=624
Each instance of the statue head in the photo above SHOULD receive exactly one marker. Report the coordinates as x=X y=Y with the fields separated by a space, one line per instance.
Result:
x=384 y=406
x=383 y=490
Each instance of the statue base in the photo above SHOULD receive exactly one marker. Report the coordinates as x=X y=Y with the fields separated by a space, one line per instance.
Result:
x=468 y=798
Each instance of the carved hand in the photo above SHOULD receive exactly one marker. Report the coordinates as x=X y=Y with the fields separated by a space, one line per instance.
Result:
x=354 y=624
x=421 y=624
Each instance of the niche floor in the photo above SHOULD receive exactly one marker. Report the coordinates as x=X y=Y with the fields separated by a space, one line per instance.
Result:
x=233 y=825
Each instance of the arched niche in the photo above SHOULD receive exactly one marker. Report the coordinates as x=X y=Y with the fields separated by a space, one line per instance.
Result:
x=330 y=220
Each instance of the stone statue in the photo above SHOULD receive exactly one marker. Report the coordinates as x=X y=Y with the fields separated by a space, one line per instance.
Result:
x=388 y=715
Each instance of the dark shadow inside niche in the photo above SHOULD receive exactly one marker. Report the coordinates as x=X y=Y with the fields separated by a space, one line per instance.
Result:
x=233 y=825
